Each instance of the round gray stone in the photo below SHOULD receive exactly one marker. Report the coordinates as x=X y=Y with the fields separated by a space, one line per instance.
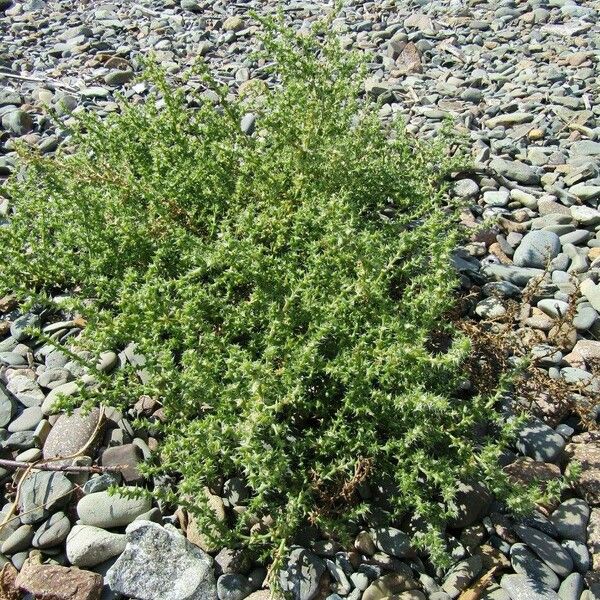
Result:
x=537 y=249
x=52 y=532
x=523 y=561
x=104 y=510
x=547 y=549
x=41 y=494
x=88 y=546
x=571 y=519
x=521 y=587
x=540 y=442
x=233 y=586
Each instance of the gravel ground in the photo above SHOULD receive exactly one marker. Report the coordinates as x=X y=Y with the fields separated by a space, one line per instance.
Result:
x=520 y=79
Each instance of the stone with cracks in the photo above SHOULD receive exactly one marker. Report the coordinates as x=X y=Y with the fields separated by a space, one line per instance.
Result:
x=301 y=574
x=160 y=564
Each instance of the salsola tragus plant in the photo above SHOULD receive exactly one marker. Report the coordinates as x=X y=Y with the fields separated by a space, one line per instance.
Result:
x=284 y=288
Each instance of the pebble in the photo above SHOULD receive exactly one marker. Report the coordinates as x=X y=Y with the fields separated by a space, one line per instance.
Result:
x=523 y=561
x=462 y=575
x=571 y=588
x=301 y=574
x=27 y=420
x=515 y=170
x=391 y=541
x=21 y=326
x=520 y=587
x=571 y=519
x=41 y=494
x=537 y=249
x=107 y=511
x=18 y=541
x=71 y=433
x=540 y=442
x=128 y=456
x=390 y=585
x=579 y=553
x=52 y=532
x=546 y=549
x=512 y=100
x=8 y=407
x=233 y=586
x=89 y=546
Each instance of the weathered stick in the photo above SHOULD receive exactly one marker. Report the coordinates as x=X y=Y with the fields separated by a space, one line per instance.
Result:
x=49 y=81
x=16 y=464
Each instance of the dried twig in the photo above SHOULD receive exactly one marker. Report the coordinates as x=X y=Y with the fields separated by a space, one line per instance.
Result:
x=46 y=80
x=16 y=464
x=32 y=466
x=511 y=185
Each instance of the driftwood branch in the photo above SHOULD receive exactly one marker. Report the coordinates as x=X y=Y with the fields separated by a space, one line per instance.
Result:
x=16 y=464
x=49 y=81
x=511 y=185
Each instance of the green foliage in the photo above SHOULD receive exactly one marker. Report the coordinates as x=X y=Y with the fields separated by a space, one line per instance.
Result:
x=284 y=287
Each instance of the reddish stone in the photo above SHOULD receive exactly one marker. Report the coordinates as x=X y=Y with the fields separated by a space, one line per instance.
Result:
x=585 y=449
x=127 y=456
x=525 y=470
x=8 y=589
x=51 y=582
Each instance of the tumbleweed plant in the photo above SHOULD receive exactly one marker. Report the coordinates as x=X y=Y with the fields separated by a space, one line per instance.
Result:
x=283 y=287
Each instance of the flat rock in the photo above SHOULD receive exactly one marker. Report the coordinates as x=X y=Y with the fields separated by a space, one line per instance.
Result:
x=585 y=449
x=515 y=170
x=52 y=532
x=571 y=519
x=520 y=587
x=301 y=574
x=537 y=249
x=129 y=456
x=547 y=549
x=104 y=510
x=524 y=562
x=540 y=442
x=41 y=494
x=159 y=563
x=52 y=582
x=71 y=433
x=88 y=546
x=390 y=585
x=518 y=276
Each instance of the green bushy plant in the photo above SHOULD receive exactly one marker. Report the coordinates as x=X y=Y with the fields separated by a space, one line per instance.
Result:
x=284 y=288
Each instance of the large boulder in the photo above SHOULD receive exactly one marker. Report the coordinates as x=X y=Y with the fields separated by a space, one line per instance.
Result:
x=160 y=564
